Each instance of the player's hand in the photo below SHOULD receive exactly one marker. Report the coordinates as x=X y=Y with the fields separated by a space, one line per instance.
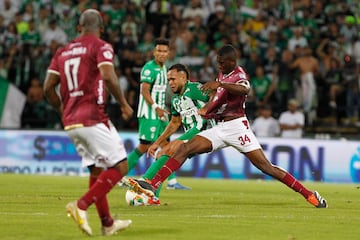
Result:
x=126 y=111
x=152 y=150
x=210 y=86
x=202 y=111
x=163 y=114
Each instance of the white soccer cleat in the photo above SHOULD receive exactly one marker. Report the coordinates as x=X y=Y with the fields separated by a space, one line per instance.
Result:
x=79 y=216
x=117 y=226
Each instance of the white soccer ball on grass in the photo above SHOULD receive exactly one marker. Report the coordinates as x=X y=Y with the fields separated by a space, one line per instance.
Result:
x=135 y=199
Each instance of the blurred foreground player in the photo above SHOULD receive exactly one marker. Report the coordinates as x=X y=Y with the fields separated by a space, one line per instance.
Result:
x=232 y=129
x=84 y=69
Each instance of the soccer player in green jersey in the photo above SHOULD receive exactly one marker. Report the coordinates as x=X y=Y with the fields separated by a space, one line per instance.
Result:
x=186 y=101
x=152 y=115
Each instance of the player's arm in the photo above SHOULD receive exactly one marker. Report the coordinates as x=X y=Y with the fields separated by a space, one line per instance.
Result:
x=241 y=87
x=170 y=129
x=109 y=76
x=51 y=81
x=145 y=92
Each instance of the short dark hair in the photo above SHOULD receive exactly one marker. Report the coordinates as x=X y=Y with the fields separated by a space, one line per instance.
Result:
x=181 y=68
x=91 y=19
x=162 y=41
x=227 y=50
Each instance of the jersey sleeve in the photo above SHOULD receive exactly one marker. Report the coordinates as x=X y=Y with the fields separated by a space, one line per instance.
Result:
x=198 y=94
x=146 y=74
x=173 y=110
x=105 y=54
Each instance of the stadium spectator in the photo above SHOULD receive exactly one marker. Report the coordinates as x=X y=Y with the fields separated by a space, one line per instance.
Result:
x=207 y=72
x=265 y=125
x=309 y=69
x=213 y=22
x=146 y=43
x=193 y=9
x=54 y=33
x=350 y=75
x=67 y=22
x=262 y=86
x=31 y=37
x=37 y=112
x=157 y=16
x=286 y=85
x=292 y=121
x=86 y=123
x=326 y=52
x=297 y=39
x=42 y=20
x=8 y=11
x=232 y=129
x=22 y=26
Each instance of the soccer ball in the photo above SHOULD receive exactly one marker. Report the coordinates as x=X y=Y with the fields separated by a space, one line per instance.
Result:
x=135 y=199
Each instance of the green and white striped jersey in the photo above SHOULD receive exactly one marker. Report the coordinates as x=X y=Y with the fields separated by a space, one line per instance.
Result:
x=187 y=105
x=156 y=77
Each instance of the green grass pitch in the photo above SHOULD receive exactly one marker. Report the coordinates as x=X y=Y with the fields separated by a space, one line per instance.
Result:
x=33 y=207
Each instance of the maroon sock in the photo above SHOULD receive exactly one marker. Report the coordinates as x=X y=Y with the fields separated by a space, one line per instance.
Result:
x=105 y=182
x=102 y=207
x=170 y=166
x=295 y=185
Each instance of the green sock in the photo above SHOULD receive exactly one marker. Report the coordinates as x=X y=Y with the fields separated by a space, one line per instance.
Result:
x=172 y=176
x=157 y=194
x=133 y=158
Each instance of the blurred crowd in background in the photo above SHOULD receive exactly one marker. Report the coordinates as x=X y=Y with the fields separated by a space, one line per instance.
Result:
x=323 y=37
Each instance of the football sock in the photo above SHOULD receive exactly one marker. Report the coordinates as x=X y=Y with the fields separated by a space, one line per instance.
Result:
x=171 y=166
x=294 y=184
x=104 y=183
x=155 y=167
x=102 y=207
x=133 y=158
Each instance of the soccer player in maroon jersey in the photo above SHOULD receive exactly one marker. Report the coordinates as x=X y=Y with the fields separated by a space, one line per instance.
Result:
x=84 y=69
x=232 y=129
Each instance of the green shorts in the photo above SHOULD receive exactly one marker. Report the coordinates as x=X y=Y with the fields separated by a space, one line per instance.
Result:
x=150 y=130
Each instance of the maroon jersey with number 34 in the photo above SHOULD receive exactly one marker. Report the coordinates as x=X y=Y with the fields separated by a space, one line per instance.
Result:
x=81 y=88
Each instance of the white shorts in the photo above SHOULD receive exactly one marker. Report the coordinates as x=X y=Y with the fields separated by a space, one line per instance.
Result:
x=98 y=145
x=235 y=133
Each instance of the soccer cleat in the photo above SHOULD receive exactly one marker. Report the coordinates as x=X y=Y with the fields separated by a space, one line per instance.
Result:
x=79 y=216
x=177 y=186
x=154 y=201
x=117 y=226
x=316 y=200
x=140 y=186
